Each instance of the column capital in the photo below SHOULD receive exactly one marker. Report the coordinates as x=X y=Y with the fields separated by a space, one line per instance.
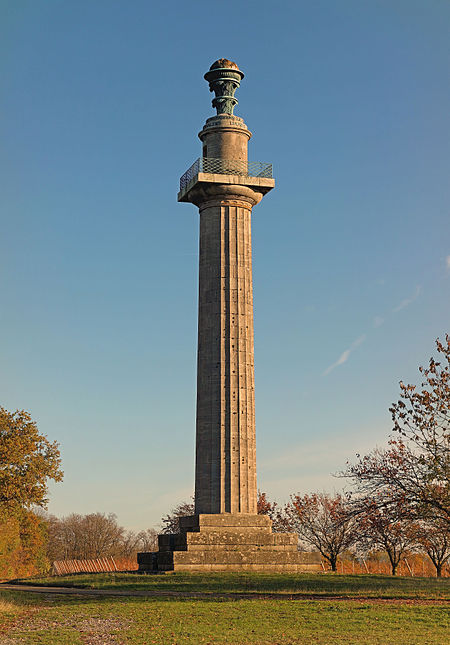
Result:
x=222 y=200
x=207 y=195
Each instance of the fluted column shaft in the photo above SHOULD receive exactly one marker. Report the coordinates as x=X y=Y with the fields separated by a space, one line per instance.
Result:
x=225 y=479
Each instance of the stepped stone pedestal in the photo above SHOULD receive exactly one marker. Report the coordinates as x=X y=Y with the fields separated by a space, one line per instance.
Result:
x=228 y=542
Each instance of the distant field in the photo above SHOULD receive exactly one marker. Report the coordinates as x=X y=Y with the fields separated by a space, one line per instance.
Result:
x=360 y=610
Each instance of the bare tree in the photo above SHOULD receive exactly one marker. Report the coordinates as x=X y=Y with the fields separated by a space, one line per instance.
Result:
x=170 y=523
x=434 y=538
x=387 y=528
x=83 y=537
x=147 y=540
x=102 y=535
x=130 y=544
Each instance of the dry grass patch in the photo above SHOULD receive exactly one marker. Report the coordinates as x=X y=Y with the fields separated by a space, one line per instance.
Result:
x=7 y=607
x=12 y=606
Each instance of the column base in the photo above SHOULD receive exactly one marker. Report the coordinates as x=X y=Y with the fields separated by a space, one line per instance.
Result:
x=228 y=542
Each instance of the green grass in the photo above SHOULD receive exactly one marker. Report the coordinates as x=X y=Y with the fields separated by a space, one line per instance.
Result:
x=68 y=620
x=351 y=586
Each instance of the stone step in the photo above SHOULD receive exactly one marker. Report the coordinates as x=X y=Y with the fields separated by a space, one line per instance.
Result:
x=247 y=548
x=222 y=520
x=268 y=559
x=237 y=557
x=269 y=568
x=229 y=536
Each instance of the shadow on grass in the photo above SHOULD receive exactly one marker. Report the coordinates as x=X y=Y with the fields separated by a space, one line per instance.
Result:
x=252 y=582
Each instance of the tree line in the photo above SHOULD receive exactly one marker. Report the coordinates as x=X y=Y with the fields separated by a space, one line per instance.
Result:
x=96 y=535
x=399 y=496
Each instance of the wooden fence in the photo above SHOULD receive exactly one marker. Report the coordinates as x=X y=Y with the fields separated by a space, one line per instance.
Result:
x=63 y=567
x=413 y=567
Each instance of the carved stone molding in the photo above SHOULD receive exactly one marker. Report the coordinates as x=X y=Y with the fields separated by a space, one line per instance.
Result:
x=220 y=194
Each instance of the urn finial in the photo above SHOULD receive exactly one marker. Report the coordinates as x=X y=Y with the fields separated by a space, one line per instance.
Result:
x=224 y=77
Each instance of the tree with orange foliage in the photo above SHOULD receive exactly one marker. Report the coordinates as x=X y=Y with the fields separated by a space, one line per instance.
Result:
x=27 y=461
x=263 y=505
x=324 y=522
x=280 y=519
x=23 y=541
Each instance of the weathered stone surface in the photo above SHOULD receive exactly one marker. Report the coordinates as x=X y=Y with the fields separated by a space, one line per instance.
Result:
x=225 y=470
x=254 y=537
x=202 y=181
x=226 y=460
x=223 y=520
x=229 y=542
x=147 y=561
x=275 y=568
x=220 y=557
x=239 y=556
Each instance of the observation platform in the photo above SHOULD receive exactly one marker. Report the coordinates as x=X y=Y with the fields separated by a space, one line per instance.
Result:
x=207 y=170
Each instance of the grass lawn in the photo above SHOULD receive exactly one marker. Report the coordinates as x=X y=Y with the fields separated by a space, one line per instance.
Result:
x=395 y=614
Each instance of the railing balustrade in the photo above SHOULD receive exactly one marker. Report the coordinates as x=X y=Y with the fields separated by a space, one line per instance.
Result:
x=226 y=167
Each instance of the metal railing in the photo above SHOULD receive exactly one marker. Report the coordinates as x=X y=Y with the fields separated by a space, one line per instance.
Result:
x=226 y=167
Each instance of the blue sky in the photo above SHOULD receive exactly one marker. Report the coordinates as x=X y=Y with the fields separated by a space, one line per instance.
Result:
x=101 y=105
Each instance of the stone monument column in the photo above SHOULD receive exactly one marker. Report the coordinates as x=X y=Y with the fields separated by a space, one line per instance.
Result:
x=226 y=533
x=225 y=470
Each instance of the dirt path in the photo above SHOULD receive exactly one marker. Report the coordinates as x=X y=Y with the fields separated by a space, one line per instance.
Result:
x=132 y=593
